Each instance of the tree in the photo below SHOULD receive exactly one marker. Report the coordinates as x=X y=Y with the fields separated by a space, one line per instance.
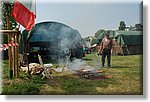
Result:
x=122 y=25
x=6 y=8
x=5 y=11
x=139 y=27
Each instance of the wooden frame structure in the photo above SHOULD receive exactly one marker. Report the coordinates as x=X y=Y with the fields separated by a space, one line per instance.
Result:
x=13 y=37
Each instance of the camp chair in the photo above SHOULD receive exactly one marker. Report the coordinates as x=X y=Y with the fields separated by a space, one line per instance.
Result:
x=46 y=72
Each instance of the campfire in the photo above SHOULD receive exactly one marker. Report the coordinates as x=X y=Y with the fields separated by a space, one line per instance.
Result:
x=89 y=72
x=77 y=67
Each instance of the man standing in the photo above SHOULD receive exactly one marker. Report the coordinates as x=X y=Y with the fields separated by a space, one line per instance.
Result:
x=105 y=50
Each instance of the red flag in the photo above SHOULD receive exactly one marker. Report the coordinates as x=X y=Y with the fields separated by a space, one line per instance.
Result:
x=23 y=13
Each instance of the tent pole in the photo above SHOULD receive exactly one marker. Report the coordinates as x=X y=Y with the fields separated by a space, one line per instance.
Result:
x=127 y=49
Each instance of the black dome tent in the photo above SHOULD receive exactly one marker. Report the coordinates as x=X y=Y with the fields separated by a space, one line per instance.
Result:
x=52 y=40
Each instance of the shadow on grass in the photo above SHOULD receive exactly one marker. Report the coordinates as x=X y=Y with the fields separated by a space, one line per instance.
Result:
x=120 y=67
x=87 y=59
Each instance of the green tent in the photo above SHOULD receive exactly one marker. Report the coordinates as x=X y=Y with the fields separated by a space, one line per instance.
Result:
x=101 y=36
x=127 y=42
x=124 y=37
x=129 y=38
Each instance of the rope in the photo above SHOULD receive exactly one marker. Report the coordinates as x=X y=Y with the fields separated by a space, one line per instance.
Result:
x=5 y=46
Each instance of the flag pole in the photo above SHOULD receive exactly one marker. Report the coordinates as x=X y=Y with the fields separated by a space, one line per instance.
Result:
x=28 y=45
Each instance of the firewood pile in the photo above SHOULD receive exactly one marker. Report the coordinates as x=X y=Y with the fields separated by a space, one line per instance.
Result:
x=34 y=68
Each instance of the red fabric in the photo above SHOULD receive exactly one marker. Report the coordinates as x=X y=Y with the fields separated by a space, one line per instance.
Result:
x=23 y=16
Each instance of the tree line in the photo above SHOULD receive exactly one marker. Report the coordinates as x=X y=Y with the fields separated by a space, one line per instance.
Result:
x=137 y=27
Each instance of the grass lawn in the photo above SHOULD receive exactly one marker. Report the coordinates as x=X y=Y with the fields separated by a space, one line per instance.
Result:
x=126 y=72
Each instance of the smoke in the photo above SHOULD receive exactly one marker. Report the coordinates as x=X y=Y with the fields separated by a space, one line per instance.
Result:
x=77 y=64
x=60 y=40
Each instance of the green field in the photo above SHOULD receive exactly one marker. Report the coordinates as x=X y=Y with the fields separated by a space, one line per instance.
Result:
x=126 y=72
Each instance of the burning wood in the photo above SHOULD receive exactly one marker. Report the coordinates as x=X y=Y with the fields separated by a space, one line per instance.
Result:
x=92 y=73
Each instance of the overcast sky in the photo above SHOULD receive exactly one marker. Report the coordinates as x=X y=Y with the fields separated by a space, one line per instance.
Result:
x=88 y=16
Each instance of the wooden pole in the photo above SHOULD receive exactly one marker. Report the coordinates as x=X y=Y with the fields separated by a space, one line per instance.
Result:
x=9 y=49
x=10 y=58
x=16 y=50
x=14 y=56
x=27 y=55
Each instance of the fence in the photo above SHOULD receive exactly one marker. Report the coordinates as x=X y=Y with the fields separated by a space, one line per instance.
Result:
x=13 y=39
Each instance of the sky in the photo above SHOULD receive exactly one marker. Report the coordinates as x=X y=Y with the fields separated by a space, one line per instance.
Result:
x=88 y=16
